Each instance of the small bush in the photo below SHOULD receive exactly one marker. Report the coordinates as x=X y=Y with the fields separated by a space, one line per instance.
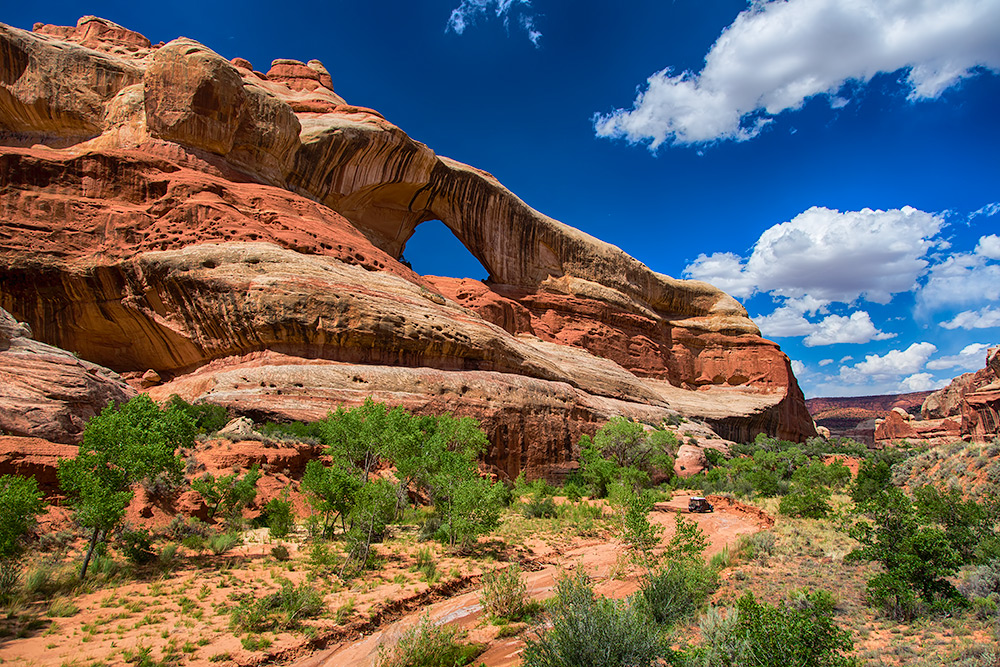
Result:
x=810 y=502
x=280 y=552
x=540 y=506
x=278 y=517
x=756 y=633
x=504 y=595
x=594 y=631
x=282 y=609
x=220 y=544
x=429 y=645
x=136 y=546
x=677 y=591
x=757 y=546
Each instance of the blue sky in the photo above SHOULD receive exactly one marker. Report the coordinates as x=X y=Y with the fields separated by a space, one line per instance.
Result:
x=831 y=163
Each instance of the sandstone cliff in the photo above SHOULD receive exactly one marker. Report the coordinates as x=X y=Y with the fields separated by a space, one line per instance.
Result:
x=238 y=233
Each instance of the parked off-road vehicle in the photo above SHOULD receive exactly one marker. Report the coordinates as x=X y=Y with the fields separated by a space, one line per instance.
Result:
x=697 y=504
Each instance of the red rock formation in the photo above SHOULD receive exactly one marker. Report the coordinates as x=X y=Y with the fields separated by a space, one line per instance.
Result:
x=34 y=457
x=981 y=402
x=899 y=425
x=46 y=392
x=968 y=409
x=168 y=210
x=855 y=416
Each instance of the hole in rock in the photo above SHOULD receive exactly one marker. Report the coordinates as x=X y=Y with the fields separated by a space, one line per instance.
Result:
x=434 y=250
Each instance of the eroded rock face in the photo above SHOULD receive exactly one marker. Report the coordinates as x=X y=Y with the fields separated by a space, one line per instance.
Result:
x=34 y=457
x=167 y=210
x=49 y=393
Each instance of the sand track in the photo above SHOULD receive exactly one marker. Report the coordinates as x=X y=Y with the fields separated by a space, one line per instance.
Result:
x=600 y=559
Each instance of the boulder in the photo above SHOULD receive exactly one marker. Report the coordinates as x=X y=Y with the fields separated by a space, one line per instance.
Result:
x=690 y=461
x=49 y=393
x=193 y=96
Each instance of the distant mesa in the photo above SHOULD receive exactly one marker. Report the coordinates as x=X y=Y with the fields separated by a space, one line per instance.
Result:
x=230 y=235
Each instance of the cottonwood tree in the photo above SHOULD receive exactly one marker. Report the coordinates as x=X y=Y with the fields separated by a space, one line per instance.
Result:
x=121 y=447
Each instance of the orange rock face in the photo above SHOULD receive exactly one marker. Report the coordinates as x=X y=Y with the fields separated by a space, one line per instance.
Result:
x=174 y=215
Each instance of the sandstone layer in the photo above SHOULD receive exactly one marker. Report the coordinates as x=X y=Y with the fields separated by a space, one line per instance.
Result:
x=168 y=212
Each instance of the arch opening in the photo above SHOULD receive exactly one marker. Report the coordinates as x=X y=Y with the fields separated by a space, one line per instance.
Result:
x=434 y=250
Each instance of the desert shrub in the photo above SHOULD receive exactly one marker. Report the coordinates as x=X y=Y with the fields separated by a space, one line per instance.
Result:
x=136 y=546
x=592 y=631
x=807 y=501
x=220 y=544
x=981 y=580
x=572 y=491
x=540 y=506
x=277 y=514
x=428 y=644
x=678 y=590
x=283 y=609
x=181 y=527
x=280 y=552
x=504 y=595
x=757 y=633
x=757 y=545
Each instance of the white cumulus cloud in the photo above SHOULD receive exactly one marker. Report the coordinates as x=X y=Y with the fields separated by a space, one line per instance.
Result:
x=989 y=246
x=921 y=382
x=984 y=318
x=971 y=358
x=890 y=366
x=518 y=11
x=825 y=362
x=798 y=368
x=833 y=329
x=961 y=279
x=778 y=53
x=828 y=255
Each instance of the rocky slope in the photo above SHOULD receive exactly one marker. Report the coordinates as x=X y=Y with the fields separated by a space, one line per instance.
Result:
x=238 y=233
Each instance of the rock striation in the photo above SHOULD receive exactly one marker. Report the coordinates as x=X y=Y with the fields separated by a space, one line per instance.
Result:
x=46 y=392
x=234 y=236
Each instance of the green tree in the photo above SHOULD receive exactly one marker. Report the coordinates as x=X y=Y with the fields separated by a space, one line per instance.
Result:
x=917 y=557
x=331 y=491
x=121 y=446
x=228 y=493
x=757 y=633
x=806 y=500
x=374 y=508
x=363 y=436
x=874 y=476
x=20 y=504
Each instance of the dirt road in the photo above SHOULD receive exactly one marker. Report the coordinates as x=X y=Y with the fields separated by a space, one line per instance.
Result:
x=600 y=559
